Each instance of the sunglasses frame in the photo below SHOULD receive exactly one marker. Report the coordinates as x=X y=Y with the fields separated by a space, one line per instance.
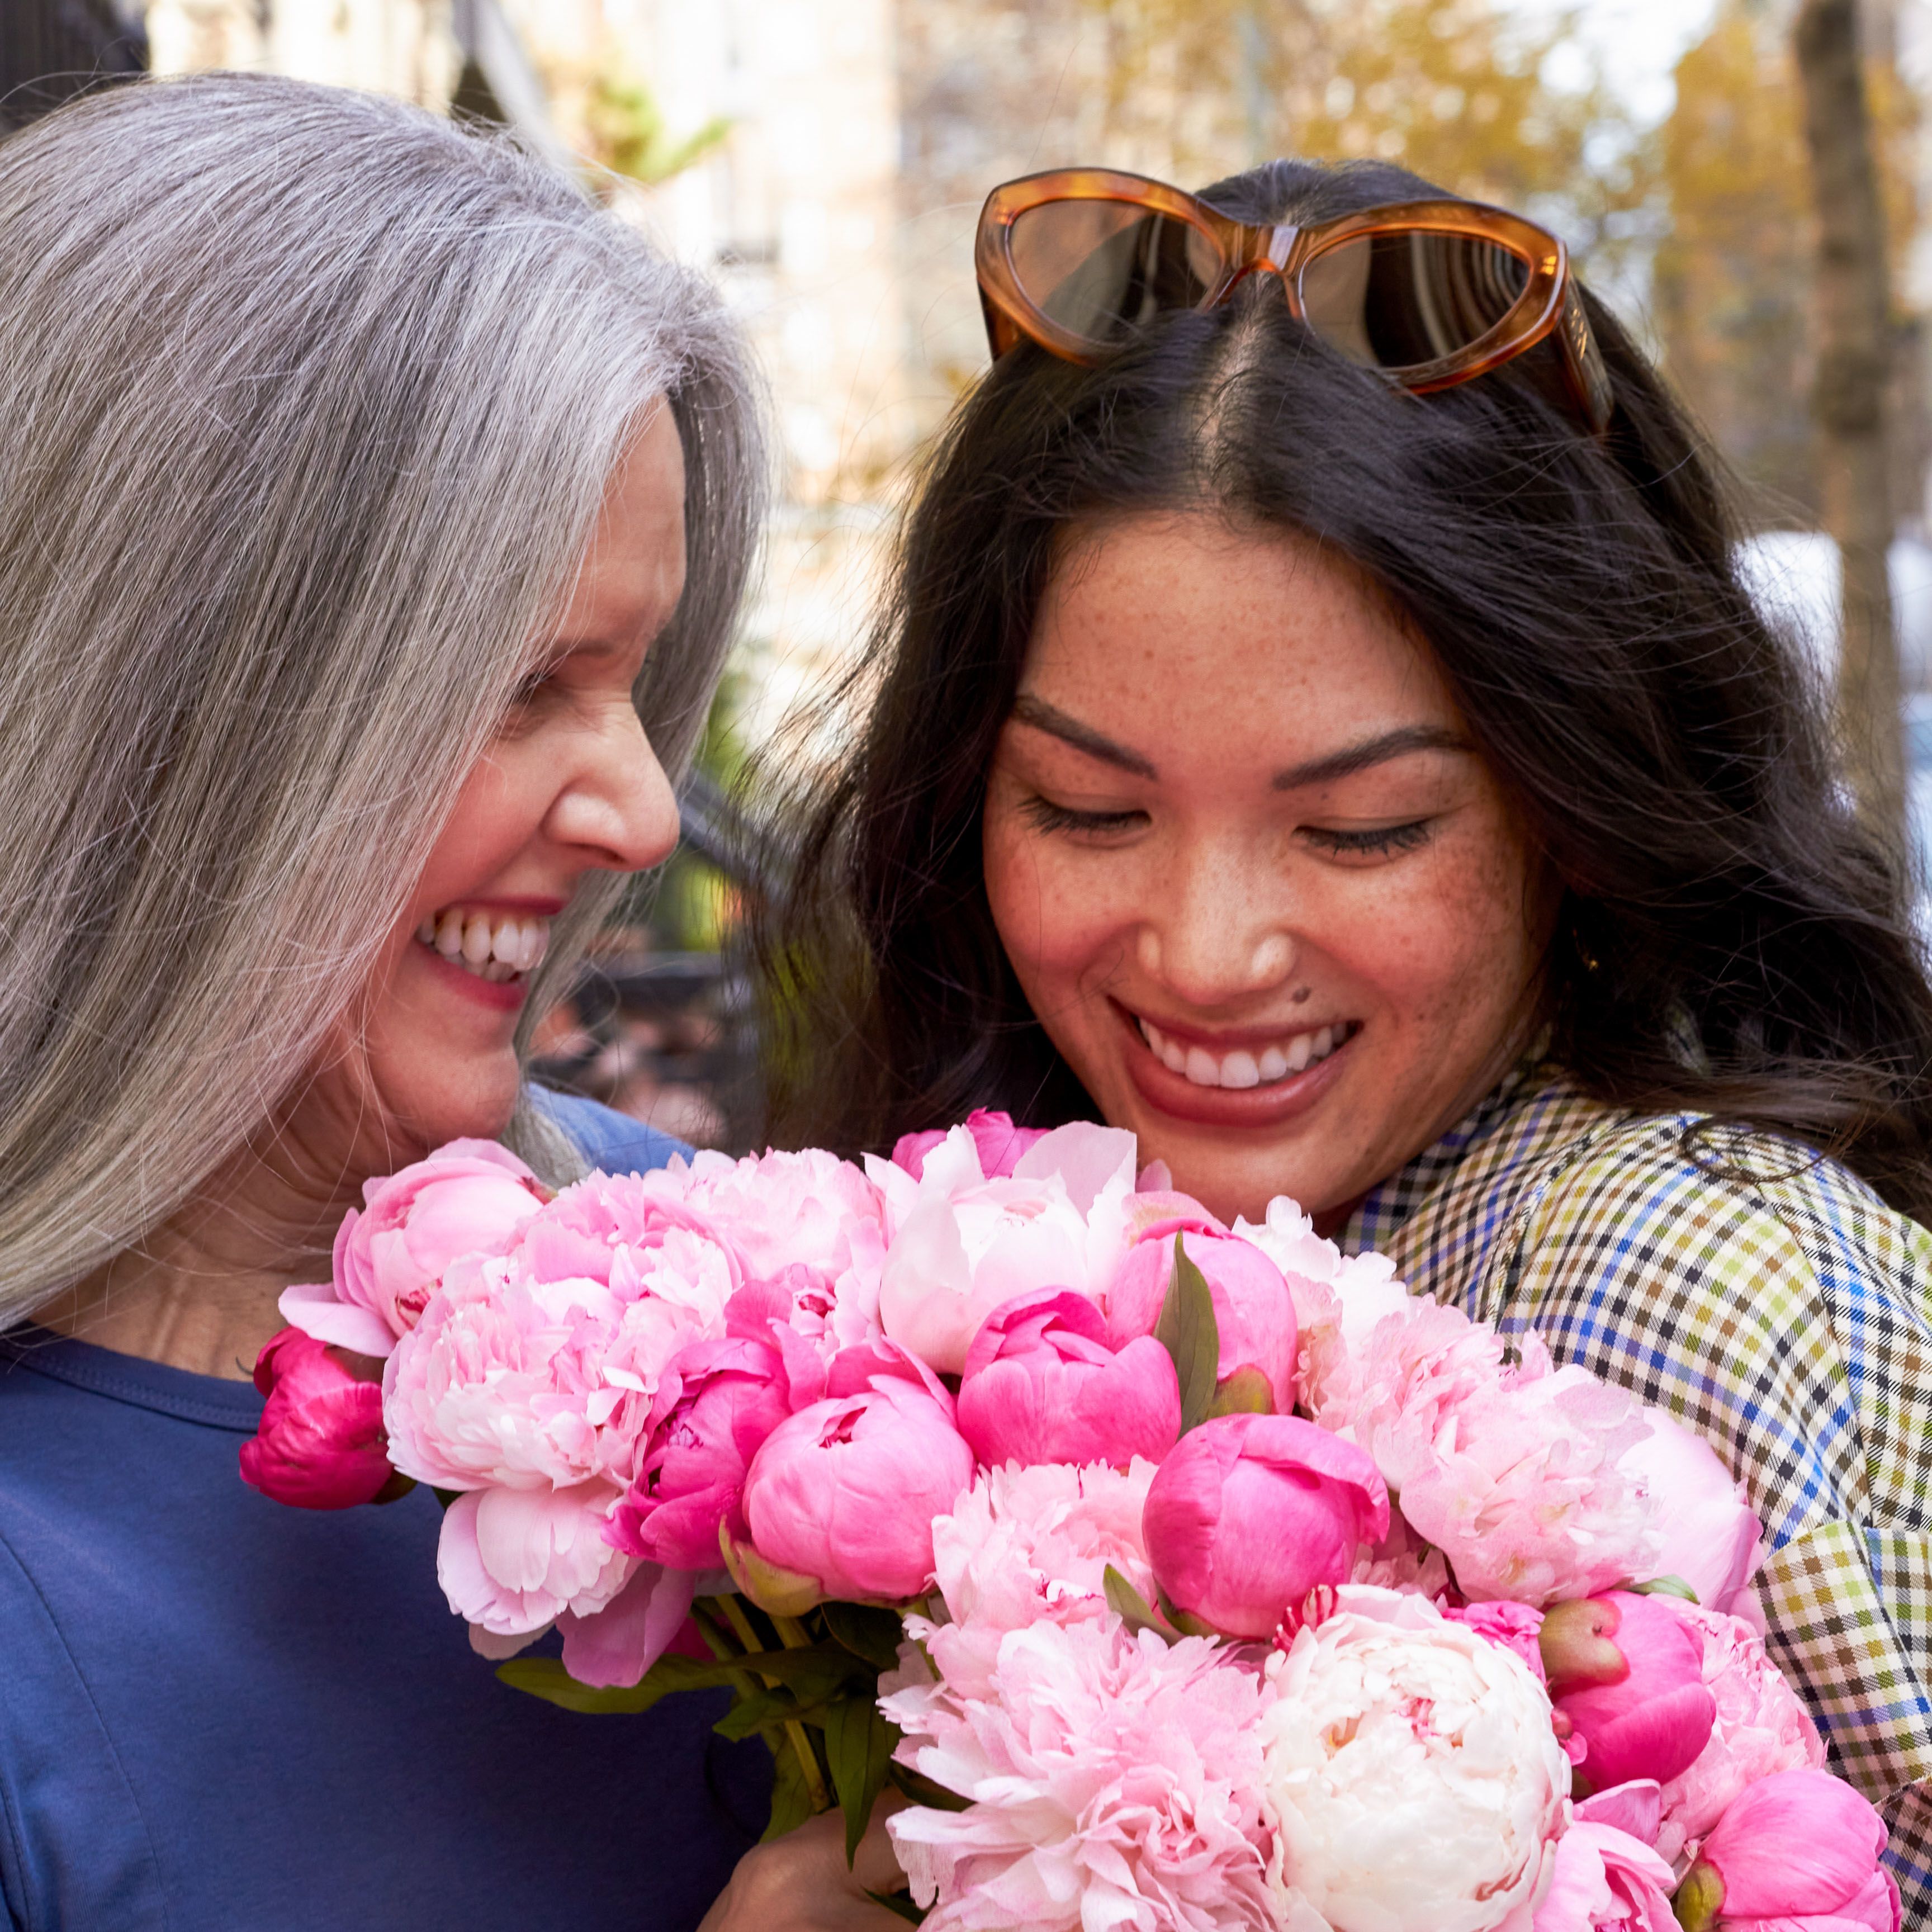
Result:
x=1549 y=306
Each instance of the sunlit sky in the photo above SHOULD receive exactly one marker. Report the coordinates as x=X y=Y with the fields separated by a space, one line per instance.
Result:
x=1639 y=41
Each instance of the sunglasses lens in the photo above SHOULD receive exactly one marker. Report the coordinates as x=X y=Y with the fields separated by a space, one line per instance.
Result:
x=1394 y=301
x=1101 y=269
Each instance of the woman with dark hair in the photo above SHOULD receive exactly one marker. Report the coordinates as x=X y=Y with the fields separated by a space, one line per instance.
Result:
x=1328 y=736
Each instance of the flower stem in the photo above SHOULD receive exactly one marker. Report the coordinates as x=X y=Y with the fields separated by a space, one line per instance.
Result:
x=808 y=1758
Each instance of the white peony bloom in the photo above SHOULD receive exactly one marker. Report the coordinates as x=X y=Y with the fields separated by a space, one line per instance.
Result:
x=1417 y=1781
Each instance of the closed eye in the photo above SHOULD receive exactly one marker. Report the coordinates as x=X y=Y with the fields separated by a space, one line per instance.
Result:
x=1379 y=842
x=1045 y=816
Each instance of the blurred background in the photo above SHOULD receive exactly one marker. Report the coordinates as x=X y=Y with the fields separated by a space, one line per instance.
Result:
x=825 y=160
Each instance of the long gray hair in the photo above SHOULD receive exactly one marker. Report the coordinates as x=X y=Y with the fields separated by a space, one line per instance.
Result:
x=307 y=403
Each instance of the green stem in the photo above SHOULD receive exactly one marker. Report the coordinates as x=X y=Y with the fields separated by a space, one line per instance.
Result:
x=808 y=1758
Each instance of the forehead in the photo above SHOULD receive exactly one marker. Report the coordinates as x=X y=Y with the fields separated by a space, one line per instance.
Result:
x=633 y=571
x=1181 y=630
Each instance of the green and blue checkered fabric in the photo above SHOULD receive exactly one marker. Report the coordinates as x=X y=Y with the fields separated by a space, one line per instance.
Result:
x=1770 y=1300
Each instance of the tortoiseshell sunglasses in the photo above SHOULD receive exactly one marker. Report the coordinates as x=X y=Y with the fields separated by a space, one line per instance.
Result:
x=1426 y=293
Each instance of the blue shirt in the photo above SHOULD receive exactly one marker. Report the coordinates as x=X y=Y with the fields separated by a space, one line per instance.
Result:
x=218 y=1714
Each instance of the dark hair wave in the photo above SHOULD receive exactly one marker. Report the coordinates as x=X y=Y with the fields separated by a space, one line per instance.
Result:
x=1733 y=941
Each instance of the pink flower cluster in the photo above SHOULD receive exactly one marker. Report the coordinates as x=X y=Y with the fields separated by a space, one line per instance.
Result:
x=1239 y=1589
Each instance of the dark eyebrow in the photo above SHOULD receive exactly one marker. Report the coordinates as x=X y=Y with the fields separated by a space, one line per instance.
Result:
x=1354 y=758
x=1044 y=717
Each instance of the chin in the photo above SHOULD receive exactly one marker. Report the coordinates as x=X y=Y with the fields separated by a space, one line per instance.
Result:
x=470 y=1100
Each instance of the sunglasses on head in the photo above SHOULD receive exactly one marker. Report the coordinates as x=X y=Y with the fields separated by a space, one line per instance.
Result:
x=1426 y=293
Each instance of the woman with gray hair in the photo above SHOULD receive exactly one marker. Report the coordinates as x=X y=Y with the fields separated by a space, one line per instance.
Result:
x=373 y=512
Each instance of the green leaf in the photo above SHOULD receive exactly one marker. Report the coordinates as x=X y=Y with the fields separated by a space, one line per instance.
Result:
x=445 y=1497
x=756 y=1709
x=867 y=1631
x=1188 y=1331
x=1133 y=1609
x=922 y=1790
x=900 y=1902
x=1662 y=1586
x=1246 y=1392
x=858 y=1746
x=545 y=1677
x=791 y=1796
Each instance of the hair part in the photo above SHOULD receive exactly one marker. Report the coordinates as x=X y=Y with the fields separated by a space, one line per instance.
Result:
x=1732 y=942
x=310 y=401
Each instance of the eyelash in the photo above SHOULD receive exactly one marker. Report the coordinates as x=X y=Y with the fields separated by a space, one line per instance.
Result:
x=1381 y=842
x=1045 y=816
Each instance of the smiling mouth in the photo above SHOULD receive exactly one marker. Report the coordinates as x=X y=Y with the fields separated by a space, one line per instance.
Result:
x=497 y=946
x=1242 y=1067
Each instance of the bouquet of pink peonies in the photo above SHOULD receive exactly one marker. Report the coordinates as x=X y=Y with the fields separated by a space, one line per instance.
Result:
x=1181 y=1576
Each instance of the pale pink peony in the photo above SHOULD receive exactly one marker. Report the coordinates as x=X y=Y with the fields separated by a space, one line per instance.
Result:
x=1607 y=1879
x=1338 y=1298
x=1709 y=1535
x=961 y=1244
x=536 y=1388
x=1115 y=1782
x=1513 y=1473
x=1042 y=1384
x=843 y=1493
x=1411 y=1762
x=1028 y=1545
x=320 y=1444
x=1000 y=1144
x=468 y=1198
x=1515 y=1626
x=1761 y=1727
x=1253 y=1313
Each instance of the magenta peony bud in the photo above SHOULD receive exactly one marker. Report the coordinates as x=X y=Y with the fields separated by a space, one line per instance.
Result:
x=1250 y=1513
x=1796 y=1850
x=999 y=1142
x=1627 y=1671
x=1041 y=1385
x=1252 y=1306
x=320 y=1443
x=845 y=1491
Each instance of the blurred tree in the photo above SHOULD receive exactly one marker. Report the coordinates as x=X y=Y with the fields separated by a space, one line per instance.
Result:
x=1734 y=271
x=628 y=136
x=1853 y=295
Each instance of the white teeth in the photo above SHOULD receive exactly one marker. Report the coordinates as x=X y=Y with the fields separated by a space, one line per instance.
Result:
x=1241 y=1068
x=495 y=945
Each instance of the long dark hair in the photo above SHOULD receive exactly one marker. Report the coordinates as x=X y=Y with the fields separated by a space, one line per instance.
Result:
x=1732 y=941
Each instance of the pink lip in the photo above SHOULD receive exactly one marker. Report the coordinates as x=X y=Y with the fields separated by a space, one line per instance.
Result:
x=1174 y=1094
x=500 y=996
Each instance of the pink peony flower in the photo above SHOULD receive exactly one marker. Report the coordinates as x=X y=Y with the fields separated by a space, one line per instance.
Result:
x=1607 y=1879
x=1113 y=1781
x=1041 y=1384
x=1761 y=1728
x=844 y=1492
x=320 y=1443
x=1515 y=1626
x=1513 y=1473
x=962 y=1244
x=1627 y=1672
x=1251 y=1513
x=1410 y=1763
x=468 y=1198
x=1252 y=1305
x=1000 y=1144
x=1710 y=1536
x=536 y=1387
x=1028 y=1545
x=1796 y=1852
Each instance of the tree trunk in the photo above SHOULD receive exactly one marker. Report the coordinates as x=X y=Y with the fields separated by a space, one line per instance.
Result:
x=1854 y=339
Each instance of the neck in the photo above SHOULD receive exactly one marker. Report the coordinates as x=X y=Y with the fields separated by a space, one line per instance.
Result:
x=199 y=1291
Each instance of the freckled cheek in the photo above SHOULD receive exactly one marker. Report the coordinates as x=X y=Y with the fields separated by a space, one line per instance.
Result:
x=1063 y=918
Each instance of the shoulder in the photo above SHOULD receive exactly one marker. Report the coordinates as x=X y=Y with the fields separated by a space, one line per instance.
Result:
x=1760 y=1291
x=605 y=1137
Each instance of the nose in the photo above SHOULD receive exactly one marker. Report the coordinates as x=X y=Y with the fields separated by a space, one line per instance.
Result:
x=1219 y=935
x=615 y=808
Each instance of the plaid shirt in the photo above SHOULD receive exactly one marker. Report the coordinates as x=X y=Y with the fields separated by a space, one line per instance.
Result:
x=1770 y=1301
